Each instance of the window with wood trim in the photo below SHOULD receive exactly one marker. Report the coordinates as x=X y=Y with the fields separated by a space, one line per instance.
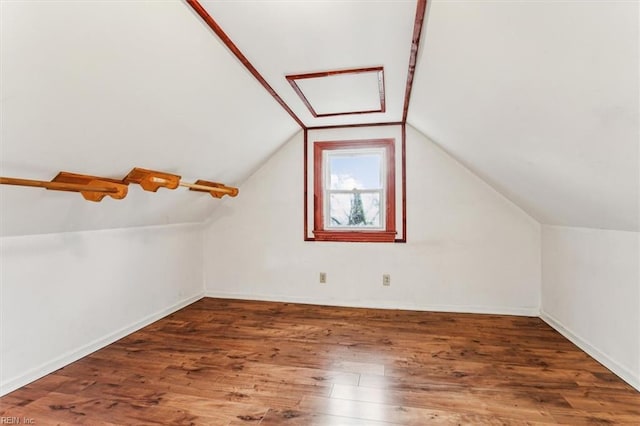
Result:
x=354 y=190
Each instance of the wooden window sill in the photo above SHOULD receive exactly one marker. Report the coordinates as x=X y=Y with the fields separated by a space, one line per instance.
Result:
x=356 y=236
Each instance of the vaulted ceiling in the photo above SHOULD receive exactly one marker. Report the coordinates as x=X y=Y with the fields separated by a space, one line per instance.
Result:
x=538 y=98
x=101 y=87
x=281 y=38
x=541 y=99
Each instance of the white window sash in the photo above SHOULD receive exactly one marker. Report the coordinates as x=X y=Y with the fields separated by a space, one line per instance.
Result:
x=327 y=191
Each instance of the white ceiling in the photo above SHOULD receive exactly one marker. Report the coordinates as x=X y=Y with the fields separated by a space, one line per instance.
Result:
x=302 y=36
x=540 y=98
x=342 y=93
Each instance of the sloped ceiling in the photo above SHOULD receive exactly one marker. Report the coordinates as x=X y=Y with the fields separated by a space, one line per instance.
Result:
x=304 y=36
x=540 y=98
x=101 y=87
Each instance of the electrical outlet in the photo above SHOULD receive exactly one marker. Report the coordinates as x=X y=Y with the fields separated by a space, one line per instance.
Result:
x=386 y=280
x=323 y=277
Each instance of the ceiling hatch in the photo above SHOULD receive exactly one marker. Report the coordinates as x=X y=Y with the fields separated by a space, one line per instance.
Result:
x=341 y=92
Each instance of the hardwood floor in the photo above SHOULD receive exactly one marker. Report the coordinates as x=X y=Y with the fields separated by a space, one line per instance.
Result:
x=227 y=362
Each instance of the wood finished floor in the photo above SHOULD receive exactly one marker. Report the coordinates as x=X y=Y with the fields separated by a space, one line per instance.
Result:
x=226 y=362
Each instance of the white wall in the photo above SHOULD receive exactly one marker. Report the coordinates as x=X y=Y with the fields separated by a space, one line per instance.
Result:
x=62 y=296
x=591 y=293
x=469 y=249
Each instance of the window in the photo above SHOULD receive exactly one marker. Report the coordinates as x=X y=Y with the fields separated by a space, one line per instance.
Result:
x=354 y=185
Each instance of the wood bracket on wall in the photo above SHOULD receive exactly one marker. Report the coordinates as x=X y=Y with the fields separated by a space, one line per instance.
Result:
x=151 y=180
x=120 y=188
x=92 y=188
x=95 y=188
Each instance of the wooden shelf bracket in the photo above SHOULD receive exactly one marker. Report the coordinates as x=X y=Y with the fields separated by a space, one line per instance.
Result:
x=151 y=180
x=92 y=188
x=117 y=189
x=95 y=188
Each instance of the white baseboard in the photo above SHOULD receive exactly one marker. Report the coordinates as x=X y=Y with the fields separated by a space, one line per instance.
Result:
x=377 y=304
x=74 y=355
x=621 y=371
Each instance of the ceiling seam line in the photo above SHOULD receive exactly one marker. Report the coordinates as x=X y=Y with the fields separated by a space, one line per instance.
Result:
x=341 y=126
x=213 y=25
x=421 y=8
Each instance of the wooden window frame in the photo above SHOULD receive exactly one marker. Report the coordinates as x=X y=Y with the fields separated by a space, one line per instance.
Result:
x=388 y=234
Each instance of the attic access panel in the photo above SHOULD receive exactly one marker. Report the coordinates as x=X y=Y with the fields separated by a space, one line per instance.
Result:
x=343 y=92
